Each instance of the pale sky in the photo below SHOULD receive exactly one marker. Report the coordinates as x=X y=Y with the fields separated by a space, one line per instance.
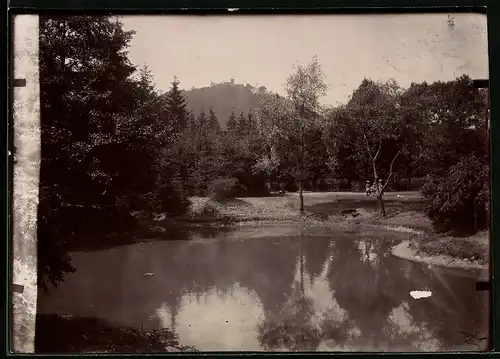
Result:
x=261 y=50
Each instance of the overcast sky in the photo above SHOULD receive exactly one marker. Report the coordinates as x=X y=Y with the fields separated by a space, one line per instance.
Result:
x=261 y=50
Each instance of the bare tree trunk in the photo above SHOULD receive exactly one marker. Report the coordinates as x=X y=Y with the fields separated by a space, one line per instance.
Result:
x=409 y=183
x=475 y=215
x=301 y=195
x=380 y=190
x=381 y=205
x=302 y=263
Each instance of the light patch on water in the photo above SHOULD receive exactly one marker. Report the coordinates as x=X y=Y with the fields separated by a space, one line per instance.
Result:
x=424 y=339
x=318 y=290
x=221 y=321
x=400 y=317
x=164 y=315
x=330 y=345
x=419 y=294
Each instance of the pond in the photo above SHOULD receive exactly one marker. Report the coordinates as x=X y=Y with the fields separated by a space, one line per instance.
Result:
x=279 y=290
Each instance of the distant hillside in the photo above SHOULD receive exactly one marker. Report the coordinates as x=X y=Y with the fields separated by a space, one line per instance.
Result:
x=224 y=98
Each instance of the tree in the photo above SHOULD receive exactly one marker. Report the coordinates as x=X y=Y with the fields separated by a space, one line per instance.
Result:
x=82 y=70
x=460 y=198
x=242 y=126
x=304 y=89
x=213 y=122
x=287 y=121
x=232 y=123
x=175 y=107
x=100 y=133
x=374 y=110
x=344 y=159
x=146 y=88
x=456 y=156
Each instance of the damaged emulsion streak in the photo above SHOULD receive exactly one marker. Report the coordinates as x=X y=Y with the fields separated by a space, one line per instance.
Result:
x=482 y=83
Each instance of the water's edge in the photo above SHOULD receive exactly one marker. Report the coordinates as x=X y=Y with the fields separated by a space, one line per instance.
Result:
x=403 y=251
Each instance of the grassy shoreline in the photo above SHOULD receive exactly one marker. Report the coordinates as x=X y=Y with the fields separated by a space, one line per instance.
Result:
x=345 y=211
x=352 y=212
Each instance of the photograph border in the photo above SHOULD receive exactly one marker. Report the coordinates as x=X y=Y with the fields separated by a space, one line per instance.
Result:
x=490 y=8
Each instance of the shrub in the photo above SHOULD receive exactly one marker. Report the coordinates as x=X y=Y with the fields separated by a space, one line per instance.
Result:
x=223 y=188
x=172 y=201
x=201 y=207
x=459 y=200
x=464 y=248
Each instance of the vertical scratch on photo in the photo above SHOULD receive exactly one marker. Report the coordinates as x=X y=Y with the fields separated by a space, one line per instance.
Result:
x=26 y=138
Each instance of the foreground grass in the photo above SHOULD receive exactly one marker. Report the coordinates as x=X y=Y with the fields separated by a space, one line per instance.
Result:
x=57 y=335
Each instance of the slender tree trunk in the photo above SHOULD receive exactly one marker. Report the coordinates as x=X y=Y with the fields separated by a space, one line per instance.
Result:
x=409 y=183
x=380 y=199
x=301 y=195
x=381 y=205
x=302 y=263
x=475 y=215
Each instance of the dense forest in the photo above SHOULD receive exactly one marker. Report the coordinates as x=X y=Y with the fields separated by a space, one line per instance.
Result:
x=112 y=145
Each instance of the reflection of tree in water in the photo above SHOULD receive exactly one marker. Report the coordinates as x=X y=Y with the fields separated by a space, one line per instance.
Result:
x=374 y=288
x=262 y=266
x=365 y=287
x=371 y=290
x=316 y=252
x=442 y=315
x=291 y=327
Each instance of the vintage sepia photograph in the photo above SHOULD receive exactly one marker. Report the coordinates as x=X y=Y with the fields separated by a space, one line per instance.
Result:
x=278 y=183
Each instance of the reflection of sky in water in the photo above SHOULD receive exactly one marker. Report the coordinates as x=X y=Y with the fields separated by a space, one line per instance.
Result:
x=217 y=320
x=233 y=294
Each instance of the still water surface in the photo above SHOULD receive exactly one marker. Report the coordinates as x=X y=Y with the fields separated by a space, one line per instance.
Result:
x=242 y=291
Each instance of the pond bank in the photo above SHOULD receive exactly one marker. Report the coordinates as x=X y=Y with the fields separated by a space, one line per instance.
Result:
x=92 y=335
x=350 y=212
x=406 y=251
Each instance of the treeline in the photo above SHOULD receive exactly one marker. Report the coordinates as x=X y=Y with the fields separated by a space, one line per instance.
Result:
x=112 y=146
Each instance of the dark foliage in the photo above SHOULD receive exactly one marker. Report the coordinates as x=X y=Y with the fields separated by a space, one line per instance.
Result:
x=223 y=188
x=460 y=198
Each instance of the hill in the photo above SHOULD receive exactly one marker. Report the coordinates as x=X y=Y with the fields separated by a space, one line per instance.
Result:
x=223 y=98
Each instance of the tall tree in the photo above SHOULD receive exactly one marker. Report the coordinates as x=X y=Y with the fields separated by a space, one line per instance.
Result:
x=213 y=122
x=232 y=123
x=376 y=120
x=146 y=87
x=305 y=87
x=456 y=156
x=100 y=131
x=287 y=121
x=344 y=160
x=175 y=107
x=85 y=87
x=242 y=125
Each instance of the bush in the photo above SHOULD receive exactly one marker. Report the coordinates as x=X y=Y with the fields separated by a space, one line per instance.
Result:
x=223 y=188
x=172 y=201
x=464 y=248
x=459 y=200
